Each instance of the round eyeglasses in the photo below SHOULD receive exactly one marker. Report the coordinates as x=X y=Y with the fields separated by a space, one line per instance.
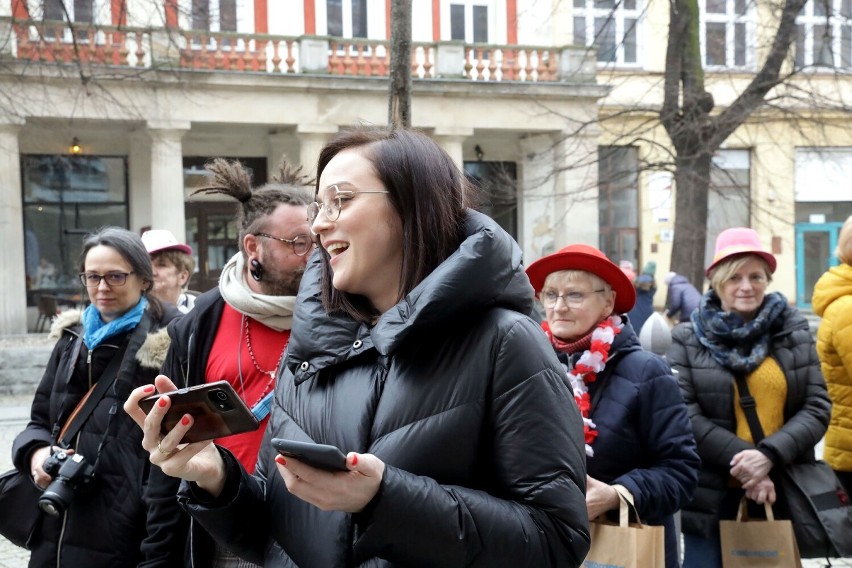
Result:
x=572 y=299
x=331 y=207
x=93 y=279
x=300 y=244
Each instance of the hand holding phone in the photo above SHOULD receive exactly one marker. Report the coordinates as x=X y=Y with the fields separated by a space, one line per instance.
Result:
x=321 y=456
x=216 y=409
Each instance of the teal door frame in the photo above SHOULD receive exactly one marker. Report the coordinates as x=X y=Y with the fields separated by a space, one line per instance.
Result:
x=833 y=229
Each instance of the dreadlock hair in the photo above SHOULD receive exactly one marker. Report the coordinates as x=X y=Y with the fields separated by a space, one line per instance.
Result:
x=288 y=186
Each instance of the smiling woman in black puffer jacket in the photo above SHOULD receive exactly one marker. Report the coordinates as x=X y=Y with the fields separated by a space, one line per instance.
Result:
x=413 y=352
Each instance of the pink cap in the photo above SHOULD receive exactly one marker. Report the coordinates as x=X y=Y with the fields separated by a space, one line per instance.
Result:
x=157 y=240
x=738 y=241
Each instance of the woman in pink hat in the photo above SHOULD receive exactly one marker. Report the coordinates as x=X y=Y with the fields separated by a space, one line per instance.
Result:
x=637 y=431
x=741 y=331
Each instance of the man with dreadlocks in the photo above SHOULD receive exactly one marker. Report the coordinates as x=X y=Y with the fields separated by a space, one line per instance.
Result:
x=238 y=332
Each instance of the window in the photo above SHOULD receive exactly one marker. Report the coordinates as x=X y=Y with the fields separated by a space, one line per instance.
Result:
x=824 y=34
x=65 y=197
x=469 y=22
x=346 y=18
x=610 y=26
x=497 y=182
x=78 y=10
x=214 y=15
x=727 y=33
x=618 y=202
x=729 y=199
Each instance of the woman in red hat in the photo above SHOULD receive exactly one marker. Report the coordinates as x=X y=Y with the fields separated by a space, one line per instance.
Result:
x=637 y=431
x=741 y=331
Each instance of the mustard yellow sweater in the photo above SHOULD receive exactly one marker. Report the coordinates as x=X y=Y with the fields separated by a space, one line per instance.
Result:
x=768 y=385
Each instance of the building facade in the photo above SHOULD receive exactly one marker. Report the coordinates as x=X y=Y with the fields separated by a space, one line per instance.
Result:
x=111 y=108
x=112 y=116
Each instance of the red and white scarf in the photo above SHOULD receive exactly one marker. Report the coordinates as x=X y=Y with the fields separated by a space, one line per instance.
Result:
x=588 y=366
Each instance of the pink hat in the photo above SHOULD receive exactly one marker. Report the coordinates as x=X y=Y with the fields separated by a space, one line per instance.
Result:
x=739 y=241
x=157 y=240
x=590 y=259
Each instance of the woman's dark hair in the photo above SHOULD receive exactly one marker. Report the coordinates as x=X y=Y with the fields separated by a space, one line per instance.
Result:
x=427 y=190
x=231 y=178
x=129 y=245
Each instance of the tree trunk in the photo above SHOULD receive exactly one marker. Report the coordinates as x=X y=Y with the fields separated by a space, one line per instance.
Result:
x=399 y=95
x=692 y=186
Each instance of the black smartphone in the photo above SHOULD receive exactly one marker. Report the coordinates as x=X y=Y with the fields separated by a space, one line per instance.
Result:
x=321 y=456
x=216 y=409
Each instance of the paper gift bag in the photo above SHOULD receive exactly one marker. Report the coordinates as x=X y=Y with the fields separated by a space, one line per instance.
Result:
x=626 y=545
x=758 y=543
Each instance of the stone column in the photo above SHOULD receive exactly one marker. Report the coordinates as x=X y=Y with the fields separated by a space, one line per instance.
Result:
x=167 y=191
x=576 y=187
x=312 y=137
x=282 y=144
x=13 y=299
x=451 y=140
x=139 y=179
x=538 y=218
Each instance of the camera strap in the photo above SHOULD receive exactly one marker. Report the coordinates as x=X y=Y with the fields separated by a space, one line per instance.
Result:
x=91 y=399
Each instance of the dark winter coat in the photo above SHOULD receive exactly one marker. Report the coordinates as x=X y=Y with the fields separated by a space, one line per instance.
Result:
x=116 y=522
x=458 y=392
x=683 y=298
x=708 y=389
x=644 y=440
x=192 y=339
x=644 y=306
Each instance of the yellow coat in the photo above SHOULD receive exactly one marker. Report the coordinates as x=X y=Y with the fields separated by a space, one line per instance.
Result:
x=833 y=302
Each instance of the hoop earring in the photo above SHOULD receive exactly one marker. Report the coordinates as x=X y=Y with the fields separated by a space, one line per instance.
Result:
x=256 y=270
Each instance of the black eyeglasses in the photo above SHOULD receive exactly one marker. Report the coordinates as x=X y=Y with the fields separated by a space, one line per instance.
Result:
x=93 y=279
x=332 y=207
x=301 y=244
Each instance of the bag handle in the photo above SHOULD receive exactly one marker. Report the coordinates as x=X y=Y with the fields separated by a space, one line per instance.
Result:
x=625 y=504
x=742 y=511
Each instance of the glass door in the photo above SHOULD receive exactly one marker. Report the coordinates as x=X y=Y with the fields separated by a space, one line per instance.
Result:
x=815 y=244
x=211 y=231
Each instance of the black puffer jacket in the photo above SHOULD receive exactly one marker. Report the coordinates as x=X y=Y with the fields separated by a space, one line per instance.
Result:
x=116 y=522
x=461 y=396
x=708 y=389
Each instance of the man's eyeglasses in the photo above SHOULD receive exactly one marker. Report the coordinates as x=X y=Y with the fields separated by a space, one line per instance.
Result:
x=331 y=207
x=93 y=279
x=300 y=244
x=572 y=299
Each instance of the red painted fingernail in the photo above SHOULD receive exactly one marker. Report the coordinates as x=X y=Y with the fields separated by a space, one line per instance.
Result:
x=149 y=388
x=185 y=419
x=280 y=460
x=162 y=402
x=354 y=459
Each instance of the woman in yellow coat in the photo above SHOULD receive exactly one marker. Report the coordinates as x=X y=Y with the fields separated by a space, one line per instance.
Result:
x=833 y=302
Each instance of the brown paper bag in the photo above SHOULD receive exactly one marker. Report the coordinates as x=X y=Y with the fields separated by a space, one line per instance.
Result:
x=758 y=543
x=626 y=545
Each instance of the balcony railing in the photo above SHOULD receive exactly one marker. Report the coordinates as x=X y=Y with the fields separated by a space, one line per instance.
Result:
x=94 y=44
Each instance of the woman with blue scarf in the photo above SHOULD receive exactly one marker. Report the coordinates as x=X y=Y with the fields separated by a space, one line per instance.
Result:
x=741 y=331
x=118 y=342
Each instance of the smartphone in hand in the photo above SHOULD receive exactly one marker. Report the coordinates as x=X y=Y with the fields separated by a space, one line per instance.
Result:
x=321 y=456
x=216 y=409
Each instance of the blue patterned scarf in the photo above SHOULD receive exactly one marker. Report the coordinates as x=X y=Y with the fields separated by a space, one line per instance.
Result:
x=734 y=343
x=95 y=330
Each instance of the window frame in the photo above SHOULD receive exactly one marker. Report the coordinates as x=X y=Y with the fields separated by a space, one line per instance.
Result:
x=730 y=18
x=836 y=22
x=346 y=17
x=589 y=13
x=244 y=16
x=469 y=5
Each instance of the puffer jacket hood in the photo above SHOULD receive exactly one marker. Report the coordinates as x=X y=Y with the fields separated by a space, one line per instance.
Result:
x=833 y=302
x=455 y=287
x=834 y=284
